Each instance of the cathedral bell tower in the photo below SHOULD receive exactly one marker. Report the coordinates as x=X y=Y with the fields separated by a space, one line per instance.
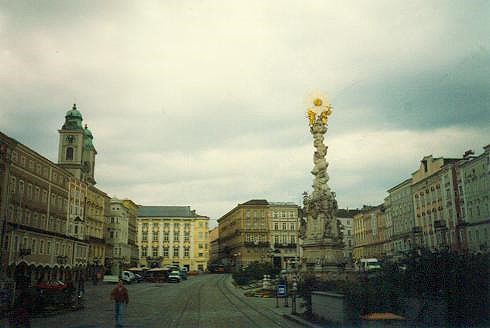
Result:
x=76 y=152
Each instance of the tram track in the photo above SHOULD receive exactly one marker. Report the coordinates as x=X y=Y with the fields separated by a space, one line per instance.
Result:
x=226 y=292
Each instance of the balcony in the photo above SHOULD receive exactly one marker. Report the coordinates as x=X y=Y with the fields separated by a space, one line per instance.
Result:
x=257 y=244
x=290 y=245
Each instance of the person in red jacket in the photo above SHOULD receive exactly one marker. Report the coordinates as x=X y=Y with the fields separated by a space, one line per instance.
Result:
x=120 y=297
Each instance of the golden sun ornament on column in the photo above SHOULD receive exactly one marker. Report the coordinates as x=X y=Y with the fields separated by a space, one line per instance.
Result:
x=321 y=109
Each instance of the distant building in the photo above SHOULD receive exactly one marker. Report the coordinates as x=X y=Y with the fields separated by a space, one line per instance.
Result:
x=214 y=245
x=400 y=212
x=121 y=234
x=260 y=231
x=244 y=235
x=432 y=193
x=346 y=217
x=284 y=230
x=172 y=235
x=371 y=233
x=475 y=189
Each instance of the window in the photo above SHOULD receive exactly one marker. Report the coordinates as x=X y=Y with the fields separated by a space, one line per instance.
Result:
x=201 y=235
x=145 y=226
x=284 y=226
x=187 y=226
x=176 y=251
x=69 y=153
x=276 y=226
x=276 y=239
x=176 y=226
x=176 y=237
x=201 y=246
x=165 y=251
x=165 y=236
x=144 y=236
x=155 y=236
x=293 y=239
x=154 y=251
x=201 y=255
x=292 y=226
x=41 y=247
x=186 y=252
x=144 y=251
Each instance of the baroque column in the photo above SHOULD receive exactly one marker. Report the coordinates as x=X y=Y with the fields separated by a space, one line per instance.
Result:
x=322 y=239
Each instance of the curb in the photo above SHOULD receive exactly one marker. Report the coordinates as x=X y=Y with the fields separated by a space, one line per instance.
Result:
x=300 y=321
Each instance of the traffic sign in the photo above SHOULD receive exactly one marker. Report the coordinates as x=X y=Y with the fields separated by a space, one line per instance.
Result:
x=281 y=290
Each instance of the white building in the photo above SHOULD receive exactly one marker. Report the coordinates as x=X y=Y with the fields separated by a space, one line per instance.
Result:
x=475 y=187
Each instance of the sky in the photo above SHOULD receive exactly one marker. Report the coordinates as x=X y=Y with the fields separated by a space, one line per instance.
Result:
x=203 y=103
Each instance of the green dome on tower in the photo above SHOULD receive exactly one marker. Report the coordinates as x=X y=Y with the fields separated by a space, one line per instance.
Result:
x=73 y=119
x=74 y=113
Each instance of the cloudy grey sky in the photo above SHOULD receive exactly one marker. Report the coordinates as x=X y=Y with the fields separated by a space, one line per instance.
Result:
x=202 y=103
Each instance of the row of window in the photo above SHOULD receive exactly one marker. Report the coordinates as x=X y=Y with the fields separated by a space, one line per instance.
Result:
x=284 y=226
x=166 y=226
x=44 y=247
x=284 y=239
x=28 y=191
x=37 y=168
x=165 y=252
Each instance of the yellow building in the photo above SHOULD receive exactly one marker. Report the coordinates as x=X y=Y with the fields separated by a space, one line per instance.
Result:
x=371 y=233
x=244 y=235
x=132 y=209
x=172 y=235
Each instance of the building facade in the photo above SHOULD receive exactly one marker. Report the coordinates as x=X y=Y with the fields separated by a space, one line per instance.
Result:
x=260 y=231
x=35 y=228
x=371 y=233
x=475 y=188
x=284 y=229
x=214 y=245
x=434 y=206
x=400 y=212
x=172 y=235
x=244 y=235
x=346 y=218
x=132 y=209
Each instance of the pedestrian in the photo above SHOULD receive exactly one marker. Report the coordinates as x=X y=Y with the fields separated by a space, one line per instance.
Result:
x=120 y=296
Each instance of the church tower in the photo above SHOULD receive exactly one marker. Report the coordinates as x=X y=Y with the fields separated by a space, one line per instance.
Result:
x=76 y=152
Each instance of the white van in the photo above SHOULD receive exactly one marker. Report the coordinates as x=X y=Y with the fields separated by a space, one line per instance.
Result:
x=369 y=265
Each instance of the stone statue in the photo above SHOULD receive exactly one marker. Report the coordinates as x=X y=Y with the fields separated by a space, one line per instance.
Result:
x=319 y=227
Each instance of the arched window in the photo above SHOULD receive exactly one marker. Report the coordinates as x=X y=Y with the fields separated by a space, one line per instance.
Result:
x=69 y=154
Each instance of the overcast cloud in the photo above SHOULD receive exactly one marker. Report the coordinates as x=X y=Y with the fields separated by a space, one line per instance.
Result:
x=202 y=103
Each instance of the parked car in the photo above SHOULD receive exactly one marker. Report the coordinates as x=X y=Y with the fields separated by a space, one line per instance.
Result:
x=138 y=278
x=174 y=276
x=183 y=274
x=128 y=277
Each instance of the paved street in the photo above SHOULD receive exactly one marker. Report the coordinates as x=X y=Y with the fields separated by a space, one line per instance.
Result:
x=202 y=301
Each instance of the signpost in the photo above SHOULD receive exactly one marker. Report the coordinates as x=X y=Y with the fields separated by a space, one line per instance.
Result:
x=281 y=291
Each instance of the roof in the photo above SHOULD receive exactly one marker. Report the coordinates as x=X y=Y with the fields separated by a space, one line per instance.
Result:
x=256 y=202
x=166 y=211
x=346 y=213
x=282 y=204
